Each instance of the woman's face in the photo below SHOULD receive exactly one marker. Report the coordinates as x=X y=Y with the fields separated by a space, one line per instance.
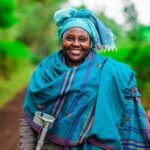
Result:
x=76 y=45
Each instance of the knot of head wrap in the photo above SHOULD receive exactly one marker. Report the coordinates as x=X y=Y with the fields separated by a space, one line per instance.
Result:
x=83 y=13
x=101 y=36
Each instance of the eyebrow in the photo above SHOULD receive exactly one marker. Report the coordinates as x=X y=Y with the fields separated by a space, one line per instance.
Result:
x=79 y=36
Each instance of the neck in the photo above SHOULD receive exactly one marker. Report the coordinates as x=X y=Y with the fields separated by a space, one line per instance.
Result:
x=72 y=64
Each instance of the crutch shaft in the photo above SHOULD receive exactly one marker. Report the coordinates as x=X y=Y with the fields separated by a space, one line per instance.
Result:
x=42 y=137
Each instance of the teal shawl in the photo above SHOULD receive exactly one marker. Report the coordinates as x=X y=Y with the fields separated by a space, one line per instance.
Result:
x=96 y=105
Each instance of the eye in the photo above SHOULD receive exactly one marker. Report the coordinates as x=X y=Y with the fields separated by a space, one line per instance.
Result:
x=69 y=38
x=83 y=39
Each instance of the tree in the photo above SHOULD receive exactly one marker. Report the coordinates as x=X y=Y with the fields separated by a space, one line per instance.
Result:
x=37 y=28
x=7 y=18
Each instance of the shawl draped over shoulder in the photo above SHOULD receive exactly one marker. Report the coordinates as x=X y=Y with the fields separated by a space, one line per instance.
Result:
x=96 y=104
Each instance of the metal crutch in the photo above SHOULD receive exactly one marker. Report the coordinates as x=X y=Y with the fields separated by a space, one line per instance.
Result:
x=46 y=121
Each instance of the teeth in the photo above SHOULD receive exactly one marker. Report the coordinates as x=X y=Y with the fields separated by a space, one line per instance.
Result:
x=76 y=52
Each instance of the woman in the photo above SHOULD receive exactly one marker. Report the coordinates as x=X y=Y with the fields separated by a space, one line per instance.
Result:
x=93 y=99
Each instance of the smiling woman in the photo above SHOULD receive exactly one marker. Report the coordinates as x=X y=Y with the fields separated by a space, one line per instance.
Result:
x=91 y=101
x=76 y=46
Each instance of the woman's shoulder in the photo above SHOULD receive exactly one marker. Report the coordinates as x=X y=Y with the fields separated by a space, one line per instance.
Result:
x=114 y=64
x=111 y=65
x=119 y=70
x=118 y=65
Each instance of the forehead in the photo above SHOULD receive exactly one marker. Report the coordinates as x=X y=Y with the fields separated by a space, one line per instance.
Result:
x=76 y=31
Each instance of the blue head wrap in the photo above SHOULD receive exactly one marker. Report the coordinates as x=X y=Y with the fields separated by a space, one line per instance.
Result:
x=101 y=36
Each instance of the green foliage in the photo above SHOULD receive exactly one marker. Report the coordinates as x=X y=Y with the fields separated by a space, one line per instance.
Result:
x=140 y=60
x=146 y=96
x=37 y=28
x=13 y=56
x=13 y=49
x=7 y=18
x=18 y=80
x=120 y=55
x=144 y=33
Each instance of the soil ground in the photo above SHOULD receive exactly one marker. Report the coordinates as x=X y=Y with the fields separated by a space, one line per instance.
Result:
x=9 y=122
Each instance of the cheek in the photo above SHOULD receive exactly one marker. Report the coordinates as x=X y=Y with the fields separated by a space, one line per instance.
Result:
x=86 y=46
x=65 y=44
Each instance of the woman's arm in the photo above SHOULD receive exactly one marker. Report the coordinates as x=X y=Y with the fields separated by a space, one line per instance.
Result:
x=28 y=136
x=135 y=130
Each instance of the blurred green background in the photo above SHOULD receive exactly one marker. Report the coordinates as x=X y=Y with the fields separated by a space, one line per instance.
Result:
x=28 y=34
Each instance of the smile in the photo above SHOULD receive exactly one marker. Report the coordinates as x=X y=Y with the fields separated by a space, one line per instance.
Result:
x=75 y=52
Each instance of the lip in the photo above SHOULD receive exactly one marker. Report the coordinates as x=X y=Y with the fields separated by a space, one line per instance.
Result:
x=75 y=51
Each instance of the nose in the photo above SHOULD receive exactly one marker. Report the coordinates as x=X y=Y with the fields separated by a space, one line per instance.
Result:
x=76 y=43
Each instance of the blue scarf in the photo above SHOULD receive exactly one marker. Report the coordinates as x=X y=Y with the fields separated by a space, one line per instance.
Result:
x=96 y=105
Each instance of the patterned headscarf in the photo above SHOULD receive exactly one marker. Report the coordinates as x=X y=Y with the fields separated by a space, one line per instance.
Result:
x=101 y=36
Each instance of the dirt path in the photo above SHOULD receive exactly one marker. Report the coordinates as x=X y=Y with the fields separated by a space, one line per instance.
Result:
x=9 y=122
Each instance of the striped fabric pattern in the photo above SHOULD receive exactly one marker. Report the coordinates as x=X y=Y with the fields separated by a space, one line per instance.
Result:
x=87 y=125
x=65 y=88
x=128 y=144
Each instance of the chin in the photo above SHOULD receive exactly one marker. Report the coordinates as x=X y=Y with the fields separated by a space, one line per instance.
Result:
x=76 y=60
